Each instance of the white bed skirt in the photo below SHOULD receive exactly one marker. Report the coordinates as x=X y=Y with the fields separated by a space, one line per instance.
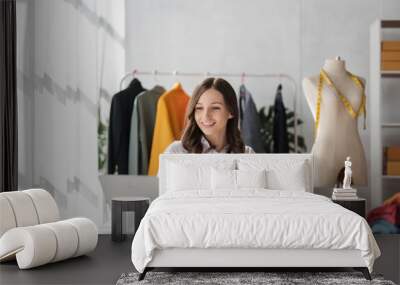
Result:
x=235 y=257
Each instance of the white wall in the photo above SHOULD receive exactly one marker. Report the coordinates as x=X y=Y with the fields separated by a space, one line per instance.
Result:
x=292 y=37
x=72 y=54
x=69 y=53
x=215 y=36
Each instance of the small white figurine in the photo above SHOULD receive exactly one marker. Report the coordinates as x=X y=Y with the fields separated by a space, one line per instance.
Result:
x=347 y=174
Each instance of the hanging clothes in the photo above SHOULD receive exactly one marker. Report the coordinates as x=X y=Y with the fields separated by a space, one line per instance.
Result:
x=280 y=133
x=142 y=127
x=249 y=121
x=120 y=126
x=170 y=119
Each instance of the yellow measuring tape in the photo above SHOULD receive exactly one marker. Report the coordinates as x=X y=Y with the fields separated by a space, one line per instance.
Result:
x=323 y=77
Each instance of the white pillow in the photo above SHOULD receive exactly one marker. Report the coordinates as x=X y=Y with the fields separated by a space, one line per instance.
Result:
x=251 y=178
x=282 y=174
x=181 y=177
x=293 y=180
x=188 y=175
x=224 y=179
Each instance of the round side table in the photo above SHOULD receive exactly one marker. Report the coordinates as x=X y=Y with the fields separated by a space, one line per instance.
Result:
x=139 y=205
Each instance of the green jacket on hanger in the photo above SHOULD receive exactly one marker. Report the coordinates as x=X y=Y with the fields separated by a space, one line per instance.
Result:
x=142 y=127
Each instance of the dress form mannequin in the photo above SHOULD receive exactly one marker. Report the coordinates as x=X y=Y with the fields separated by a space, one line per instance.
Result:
x=337 y=135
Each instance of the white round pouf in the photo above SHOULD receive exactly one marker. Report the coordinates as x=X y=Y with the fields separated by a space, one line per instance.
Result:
x=7 y=216
x=87 y=232
x=40 y=244
x=32 y=246
x=45 y=206
x=67 y=240
x=31 y=232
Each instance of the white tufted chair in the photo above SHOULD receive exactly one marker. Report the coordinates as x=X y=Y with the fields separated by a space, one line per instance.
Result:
x=31 y=230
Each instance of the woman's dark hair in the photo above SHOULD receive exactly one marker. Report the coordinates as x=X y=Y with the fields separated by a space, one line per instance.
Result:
x=191 y=138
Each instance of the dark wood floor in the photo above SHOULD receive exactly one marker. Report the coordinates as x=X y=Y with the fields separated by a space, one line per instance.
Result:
x=110 y=259
x=103 y=266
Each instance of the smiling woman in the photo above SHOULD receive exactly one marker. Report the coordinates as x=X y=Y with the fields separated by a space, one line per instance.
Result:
x=212 y=121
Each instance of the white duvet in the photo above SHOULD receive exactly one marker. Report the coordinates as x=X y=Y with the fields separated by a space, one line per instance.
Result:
x=252 y=218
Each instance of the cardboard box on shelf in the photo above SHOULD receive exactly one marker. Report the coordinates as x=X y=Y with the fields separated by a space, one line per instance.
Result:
x=390 y=65
x=390 y=55
x=393 y=153
x=393 y=168
x=390 y=45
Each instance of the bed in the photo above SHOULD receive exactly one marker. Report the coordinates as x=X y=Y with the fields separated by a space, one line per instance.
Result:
x=247 y=210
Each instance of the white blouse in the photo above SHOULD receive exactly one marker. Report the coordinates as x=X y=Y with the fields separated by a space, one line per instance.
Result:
x=177 y=147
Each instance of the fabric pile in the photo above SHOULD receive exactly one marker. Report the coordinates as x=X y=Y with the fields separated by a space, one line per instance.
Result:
x=386 y=218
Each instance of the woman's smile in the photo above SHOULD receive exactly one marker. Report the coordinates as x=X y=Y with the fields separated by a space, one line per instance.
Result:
x=208 y=125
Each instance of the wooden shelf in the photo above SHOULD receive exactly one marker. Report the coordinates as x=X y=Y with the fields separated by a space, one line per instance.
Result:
x=391 y=176
x=390 y=23
x=391 y=73
x=390 y=125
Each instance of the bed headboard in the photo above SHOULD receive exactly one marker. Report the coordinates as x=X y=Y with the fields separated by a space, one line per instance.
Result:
x=277 y=162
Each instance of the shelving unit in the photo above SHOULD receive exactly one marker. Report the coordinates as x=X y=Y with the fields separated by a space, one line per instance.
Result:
x=390 y=73
x=391 y=176
x=377 y=126
x=390 y=125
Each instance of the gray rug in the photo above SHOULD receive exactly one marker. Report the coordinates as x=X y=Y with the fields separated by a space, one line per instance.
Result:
x=226 y=278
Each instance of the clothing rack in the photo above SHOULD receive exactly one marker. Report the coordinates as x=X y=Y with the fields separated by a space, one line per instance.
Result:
x=243 y=76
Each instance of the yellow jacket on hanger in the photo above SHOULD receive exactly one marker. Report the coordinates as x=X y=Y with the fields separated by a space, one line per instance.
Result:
x=170 y=120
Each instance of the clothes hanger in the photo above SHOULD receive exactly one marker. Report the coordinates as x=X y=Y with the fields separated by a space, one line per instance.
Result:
x=242 y=86
x=155 y=73
x=280 y=81
x=134 y=75
x=242 y=78
x=177 y=83
x=135 y=80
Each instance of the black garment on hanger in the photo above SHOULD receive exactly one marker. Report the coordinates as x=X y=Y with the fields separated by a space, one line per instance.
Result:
x=249 y=121
x=280 y=132
x=120 y=127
